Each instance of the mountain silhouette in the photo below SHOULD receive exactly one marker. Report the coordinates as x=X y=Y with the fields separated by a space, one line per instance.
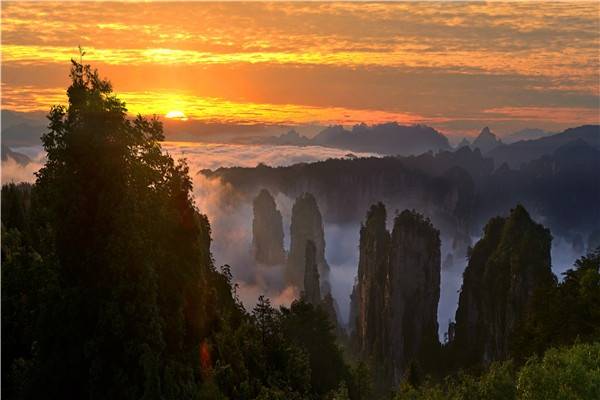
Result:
x=388 y=139
x=523 y=151
x=486 y=141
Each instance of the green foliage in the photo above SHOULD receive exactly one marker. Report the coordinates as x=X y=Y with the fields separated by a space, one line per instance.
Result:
x=565 y=373
x=16 y=205
x=310 y=328
x=361 y=385
x=289 y=352
x=114 y=260
x=562 y=373
x=565 y=313
x=506 y=268
x=341 y=393
x=27 y=285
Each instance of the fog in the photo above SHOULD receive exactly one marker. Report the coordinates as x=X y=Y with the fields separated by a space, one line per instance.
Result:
x=231 y=223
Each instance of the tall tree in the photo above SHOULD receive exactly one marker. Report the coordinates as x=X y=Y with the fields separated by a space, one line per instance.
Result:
x=137 y=288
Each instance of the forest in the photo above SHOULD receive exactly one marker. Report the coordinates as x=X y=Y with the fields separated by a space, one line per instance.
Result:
x=110 y=291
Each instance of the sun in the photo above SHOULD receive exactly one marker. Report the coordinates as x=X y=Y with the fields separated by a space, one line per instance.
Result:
x=176 y=114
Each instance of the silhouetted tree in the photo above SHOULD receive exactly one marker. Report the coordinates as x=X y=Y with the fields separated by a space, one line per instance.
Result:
x=137 y=292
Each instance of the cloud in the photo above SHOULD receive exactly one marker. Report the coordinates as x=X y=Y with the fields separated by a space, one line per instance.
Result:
x=556 y=114
x=15 y=172
x=211 y=110
x=293 y=62
x=214 y=155
x=231 y=219
x=231 y=223
x=487 y=36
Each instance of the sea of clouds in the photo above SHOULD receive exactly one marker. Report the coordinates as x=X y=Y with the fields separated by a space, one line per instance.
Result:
x=231 y=224
x=231 y=221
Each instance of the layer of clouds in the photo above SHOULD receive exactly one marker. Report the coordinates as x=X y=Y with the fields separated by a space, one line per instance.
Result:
x=231 y=223
x=231 y=220
x=15 y=172
x=509 y=66
x=214 y=155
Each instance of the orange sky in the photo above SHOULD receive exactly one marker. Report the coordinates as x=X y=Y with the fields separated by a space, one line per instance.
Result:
x=454 y=66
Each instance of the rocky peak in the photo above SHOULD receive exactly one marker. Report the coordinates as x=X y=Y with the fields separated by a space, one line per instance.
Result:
x=414 y=274
x=397 y=291
x=486 y=141
x=506 y=267
x=267 y=230
x=312 y=289
x=369 y=291
x=307 y=224
x=292 y=137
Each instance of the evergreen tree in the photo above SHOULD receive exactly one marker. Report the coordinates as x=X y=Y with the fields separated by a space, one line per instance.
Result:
x=137 y=292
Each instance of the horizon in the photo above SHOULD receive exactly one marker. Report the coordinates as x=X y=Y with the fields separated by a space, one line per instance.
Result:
x=227 y=70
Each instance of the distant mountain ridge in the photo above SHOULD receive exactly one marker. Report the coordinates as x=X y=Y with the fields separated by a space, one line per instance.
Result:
x=527 y=134
x=8 y=153
x=388 y=139
x=460 y=190
x=22 y=129
x=524 y=151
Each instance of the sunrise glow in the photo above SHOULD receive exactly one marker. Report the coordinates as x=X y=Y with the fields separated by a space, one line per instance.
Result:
x=175 y=114
x=453 y=66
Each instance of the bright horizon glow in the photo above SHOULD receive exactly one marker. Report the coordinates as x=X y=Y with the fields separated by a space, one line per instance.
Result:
x=176 y=114
x=454 y=66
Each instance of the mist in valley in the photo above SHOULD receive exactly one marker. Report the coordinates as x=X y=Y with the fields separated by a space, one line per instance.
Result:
x=230 y=215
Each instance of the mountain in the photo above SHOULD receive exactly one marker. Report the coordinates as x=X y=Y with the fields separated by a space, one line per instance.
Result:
x=526 y=134
x=7 y=153
x=22 y=129
x=463 y=143
x=306 y=225
x=470 y=160
x=290 y=138
x=345 y=186
x=486 y=141
x=389 y=138
x=397 y=292
x=506 y=268
x=459 y=190
x=522 y=151
x=267 y=230
x=312 y=287
x=366 y=316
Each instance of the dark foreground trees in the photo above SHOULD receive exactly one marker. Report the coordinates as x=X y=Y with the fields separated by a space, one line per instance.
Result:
x=108 y=285
x=115 y=268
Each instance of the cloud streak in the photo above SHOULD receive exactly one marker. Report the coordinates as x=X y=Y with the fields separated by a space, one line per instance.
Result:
x=327 y=62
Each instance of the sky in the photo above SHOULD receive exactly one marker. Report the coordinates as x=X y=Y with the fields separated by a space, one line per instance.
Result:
x=238 y=66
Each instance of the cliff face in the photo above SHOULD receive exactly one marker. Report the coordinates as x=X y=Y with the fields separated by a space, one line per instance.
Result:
x=306 y=225
x=312 y=289
x=505 y=269
x=372 y=285
x=267 y=230
x=397 y=291
x=414 y=275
